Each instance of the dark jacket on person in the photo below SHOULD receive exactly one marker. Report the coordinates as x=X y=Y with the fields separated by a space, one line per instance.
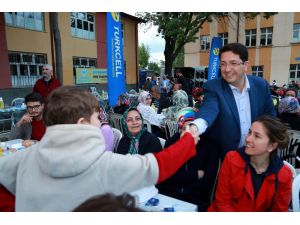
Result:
x=292 y=119
x=147 y=143
x=120 y=109
x=185 y=184
x=164 y=102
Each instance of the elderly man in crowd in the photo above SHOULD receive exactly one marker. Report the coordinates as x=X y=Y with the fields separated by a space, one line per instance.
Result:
x=48 y=83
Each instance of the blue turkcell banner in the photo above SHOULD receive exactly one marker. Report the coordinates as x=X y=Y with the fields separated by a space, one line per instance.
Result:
x=214 y=60
x=115 y=58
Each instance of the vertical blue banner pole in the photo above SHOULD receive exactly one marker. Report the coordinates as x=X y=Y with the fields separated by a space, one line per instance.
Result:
x=115 y=58
x=214 y=60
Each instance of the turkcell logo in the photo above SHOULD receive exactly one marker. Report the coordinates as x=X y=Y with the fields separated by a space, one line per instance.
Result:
x=115 y=16
x=216 y=51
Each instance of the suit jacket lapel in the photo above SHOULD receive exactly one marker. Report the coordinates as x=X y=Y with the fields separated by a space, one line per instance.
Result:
x=231 y=101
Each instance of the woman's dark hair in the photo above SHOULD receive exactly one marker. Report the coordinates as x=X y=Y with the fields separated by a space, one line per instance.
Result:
x=277 y=131
x=291 y=89
x=65 y=105
x=109 y=203
x=236 y=48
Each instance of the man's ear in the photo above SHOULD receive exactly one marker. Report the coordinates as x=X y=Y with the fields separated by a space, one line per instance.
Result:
x=246 y=66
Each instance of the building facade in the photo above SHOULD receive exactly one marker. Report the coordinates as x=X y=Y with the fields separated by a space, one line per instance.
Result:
x=273 y=44
x=26 y=44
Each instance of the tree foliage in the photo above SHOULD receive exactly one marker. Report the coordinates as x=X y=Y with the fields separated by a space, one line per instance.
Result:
x=154 y=66
x=180 y=28
x=144 y=56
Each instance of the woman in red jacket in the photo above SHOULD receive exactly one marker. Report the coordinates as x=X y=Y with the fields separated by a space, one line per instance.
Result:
x=254 y=178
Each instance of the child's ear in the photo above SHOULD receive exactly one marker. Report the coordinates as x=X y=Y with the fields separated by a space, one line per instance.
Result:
x=81 y=120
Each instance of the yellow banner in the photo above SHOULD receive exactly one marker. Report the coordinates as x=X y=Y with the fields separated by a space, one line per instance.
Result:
x=91 y=75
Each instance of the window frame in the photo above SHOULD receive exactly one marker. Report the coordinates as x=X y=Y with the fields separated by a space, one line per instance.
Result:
x=204 y=41
x=295 y=69
x=258 y=71
x=251 y=36
x=265 y=31
x=224 y=37
x=24 y=68
x=297 y=31
x=80 y=21
x=22 y=19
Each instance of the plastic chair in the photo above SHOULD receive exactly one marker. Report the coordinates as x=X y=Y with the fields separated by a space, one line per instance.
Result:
x=115 y=121
x=292 y=155
x=118 y=135
x=291 y=167
x=171 y=128
x=17 y=102
x=148 y=124
x=16 y=116
x=162 y=142
x=295 y=194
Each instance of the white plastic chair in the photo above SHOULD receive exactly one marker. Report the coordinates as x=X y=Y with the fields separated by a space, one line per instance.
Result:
x=295 y=194
x=17 y=102
x=162 y=142
x=148 y=124
x=294 y=172
x=171 y=128
x=115 y=121
x=118 y=135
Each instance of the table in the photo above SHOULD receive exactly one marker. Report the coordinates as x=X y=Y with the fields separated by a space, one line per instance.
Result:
x=166 y=202
x=13 y=109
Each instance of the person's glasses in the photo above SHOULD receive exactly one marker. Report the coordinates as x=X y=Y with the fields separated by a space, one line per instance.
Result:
x=34 y=107
x=230 y=64
x=131 y=120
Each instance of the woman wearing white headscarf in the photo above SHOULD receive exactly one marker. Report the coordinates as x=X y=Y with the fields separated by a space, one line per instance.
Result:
x=149 y=113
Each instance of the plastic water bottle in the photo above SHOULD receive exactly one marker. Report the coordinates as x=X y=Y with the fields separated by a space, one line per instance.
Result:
x=1 y=103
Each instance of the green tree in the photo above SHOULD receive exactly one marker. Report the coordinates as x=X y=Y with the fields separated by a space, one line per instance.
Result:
x=179 y=60
x=180 y=28
x=144 y=56
x=154 y=66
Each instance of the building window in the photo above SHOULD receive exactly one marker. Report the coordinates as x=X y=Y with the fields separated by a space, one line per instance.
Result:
x=204 y=42
x=83 y=62
x=294 y=72
x=26 y=68
x=296 y=33
x=266 y=36
x=224 y=37
x=250 y=38
x=83 y=25
x=258 y=71
x=27 y=20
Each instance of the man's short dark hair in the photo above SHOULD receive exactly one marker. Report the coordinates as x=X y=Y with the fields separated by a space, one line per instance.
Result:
x=236 y=48
x=34 y=97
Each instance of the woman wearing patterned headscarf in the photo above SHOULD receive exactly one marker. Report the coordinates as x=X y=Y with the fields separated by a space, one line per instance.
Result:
x=194 y=181
x=289 y=112
x=137 y=140
x=180 y=100
x=106 y=130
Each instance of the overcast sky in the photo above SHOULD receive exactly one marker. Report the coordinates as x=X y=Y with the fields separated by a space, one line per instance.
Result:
x=156 y=44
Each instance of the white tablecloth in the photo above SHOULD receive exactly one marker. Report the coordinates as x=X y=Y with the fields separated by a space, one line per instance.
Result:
x=166 y=202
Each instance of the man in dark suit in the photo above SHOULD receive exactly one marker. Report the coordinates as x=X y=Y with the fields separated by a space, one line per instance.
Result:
x=232 y=102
